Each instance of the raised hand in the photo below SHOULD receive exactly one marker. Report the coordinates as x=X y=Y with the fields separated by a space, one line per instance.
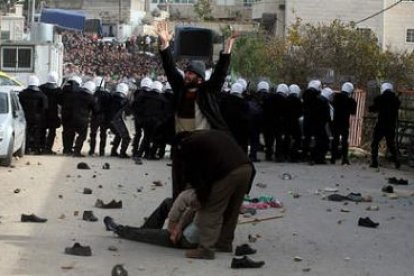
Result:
x=164 y=35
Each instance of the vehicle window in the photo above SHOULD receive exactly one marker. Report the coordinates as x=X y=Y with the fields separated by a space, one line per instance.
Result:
x=4 y=106
x=15 y=102
x=6 y=81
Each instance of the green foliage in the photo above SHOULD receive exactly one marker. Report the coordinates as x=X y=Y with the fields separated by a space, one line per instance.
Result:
x=312 y=50
x=203 y=9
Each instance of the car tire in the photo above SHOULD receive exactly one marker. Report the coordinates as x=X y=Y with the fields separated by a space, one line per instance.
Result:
x=21 y=151
x=7 y=161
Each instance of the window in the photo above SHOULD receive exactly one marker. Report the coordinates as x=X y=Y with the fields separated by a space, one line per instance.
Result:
x=16 y=58
x=410 y=36
x=4 y=103
x=15 y=102
x=5 y=35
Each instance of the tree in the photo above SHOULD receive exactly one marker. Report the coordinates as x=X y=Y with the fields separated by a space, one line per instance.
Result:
x=309 y=51
x=203 y=9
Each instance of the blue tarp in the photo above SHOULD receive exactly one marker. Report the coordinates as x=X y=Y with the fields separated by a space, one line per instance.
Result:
x=63 y=18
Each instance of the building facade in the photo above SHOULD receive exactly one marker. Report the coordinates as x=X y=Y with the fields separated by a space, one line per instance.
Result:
x=394 y=27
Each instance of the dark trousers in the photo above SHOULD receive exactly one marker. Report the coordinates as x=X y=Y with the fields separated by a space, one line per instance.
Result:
x=151 y=232
x=217 y=219
x=137 y=136
x=69 y=134
x=178 y=181
x=254 y=139
x=292 y=140
x=35 y=137
x=120 y=129
x=50 y=138
x=389 y=134
x=102 y=126
x=340 y=134
x=321 y=144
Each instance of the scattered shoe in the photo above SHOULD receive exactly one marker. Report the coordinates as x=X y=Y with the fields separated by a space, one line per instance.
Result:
x=388 y=189
x=89 y=216
x=245 y=262
x=395 y=181
x=78 y=250
x=111 y=205
x=367 y=222
x=119 y=270
x=106 y=166
x=83 y=166
x=244 y=249
x=200 y=253
x=110 y=224
x=31 y=218
x=87 y=191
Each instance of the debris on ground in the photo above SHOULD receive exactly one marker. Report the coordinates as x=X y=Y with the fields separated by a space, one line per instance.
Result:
x=106 y=166
x=112 y=248
x=157 y=183
x=83 y=166
x=87 y=191
x=388 y=189
x=396 y=181
x=372 y=208
x=113 y=204
x=286 y=176
x=16 y=191
x=297 y=259
x=78 y=250
x=261 y=185
x=367 y=222
x=119 y=270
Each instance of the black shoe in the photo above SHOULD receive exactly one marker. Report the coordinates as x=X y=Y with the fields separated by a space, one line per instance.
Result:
x=89 y=216
x=246 y=262
x=111 y=205
x=83 y=166
x=374 y=164
x=67 y=152
x=388 y=189
x=137 y=160
x=78 y=154
x=49 y=152
x=397 y=164
x=367 y=222
x=110 y=224
x=78 y=250
x=106 y=166
x=31 y=218
x=244 y=249
x=123 y=155
x=87 y=191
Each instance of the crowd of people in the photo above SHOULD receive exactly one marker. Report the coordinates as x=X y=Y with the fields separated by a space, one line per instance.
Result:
x=214 y=127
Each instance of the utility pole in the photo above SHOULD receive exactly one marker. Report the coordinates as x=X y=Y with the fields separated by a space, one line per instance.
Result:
x=33 y=13
x=119 y=19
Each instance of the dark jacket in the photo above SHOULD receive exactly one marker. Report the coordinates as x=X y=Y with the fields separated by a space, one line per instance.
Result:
x=386 y=105
x=52 y=92
x=151 y=106
x=66 y=99
x=293 y=109
x=208 y=92
x=118 y=104
x=344 y=107
x=235 y=112
x=207 y=156
x=35 y=104
x=103 y=101
x=77 y=108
